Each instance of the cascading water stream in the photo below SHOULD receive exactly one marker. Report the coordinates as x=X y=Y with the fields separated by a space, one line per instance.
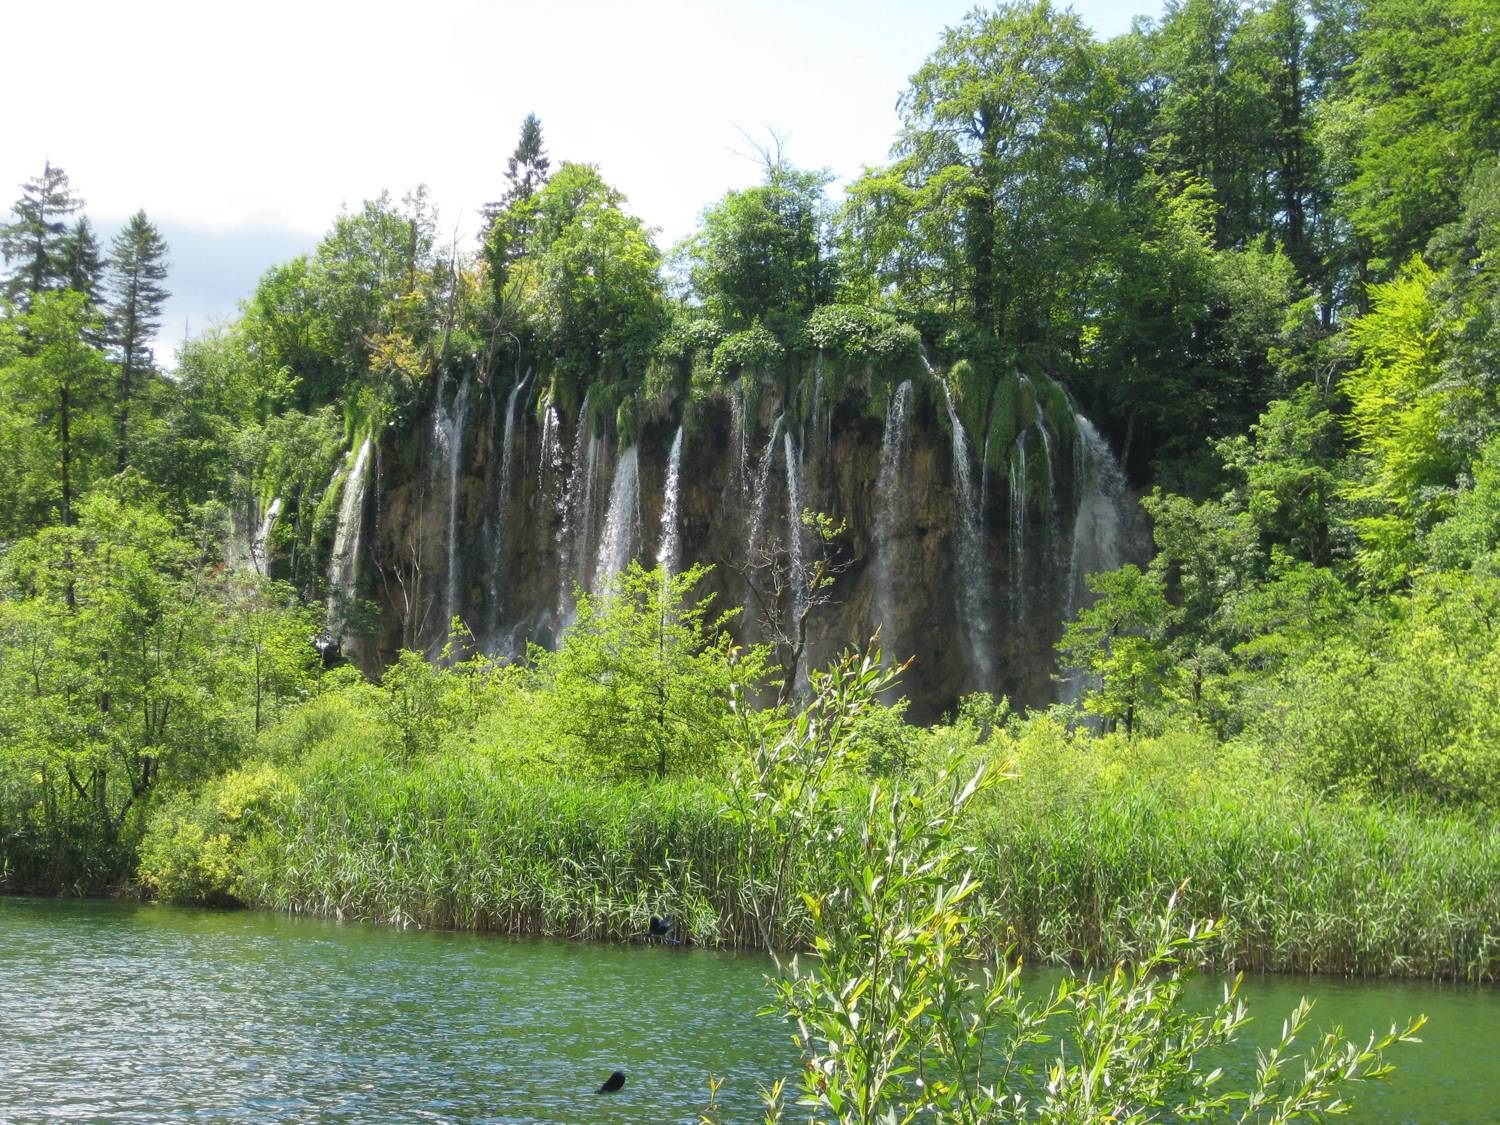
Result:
x=260 y=546
x=796 y=564
x=620 y=522
x=454 y=423
x=762 y=492
x=889 y=511
x=1098 y=528
x=669 y=553
x=343 y=566
x=502 y=511
x=794 y=527
x=973 y=580
x=577 y=508
x=1018 y=485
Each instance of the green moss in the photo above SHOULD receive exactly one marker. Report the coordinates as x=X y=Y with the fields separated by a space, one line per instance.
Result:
x=971 y=386
x=1005 y=424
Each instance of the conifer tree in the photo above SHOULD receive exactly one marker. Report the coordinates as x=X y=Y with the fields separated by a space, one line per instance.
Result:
x=83 y=263
x=510 y=222
x=137 y=266
x=528 y=165
x=35 y=242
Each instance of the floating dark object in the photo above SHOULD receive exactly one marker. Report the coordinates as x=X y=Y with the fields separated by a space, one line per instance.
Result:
x=613 y=1083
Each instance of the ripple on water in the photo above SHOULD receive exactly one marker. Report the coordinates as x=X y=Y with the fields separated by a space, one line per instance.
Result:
x=128 y=1012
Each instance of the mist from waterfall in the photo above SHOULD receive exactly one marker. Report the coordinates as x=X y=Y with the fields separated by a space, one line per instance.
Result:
x=889 y=510
x=669 y=553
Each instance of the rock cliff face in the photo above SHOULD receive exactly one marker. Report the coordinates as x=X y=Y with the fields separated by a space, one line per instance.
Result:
x=968 y=515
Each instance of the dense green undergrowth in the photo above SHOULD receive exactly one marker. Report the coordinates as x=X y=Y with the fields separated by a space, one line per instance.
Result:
x=1077 y=852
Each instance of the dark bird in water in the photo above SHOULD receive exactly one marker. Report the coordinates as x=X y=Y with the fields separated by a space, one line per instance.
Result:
x=661 y=927
x=613 y=1083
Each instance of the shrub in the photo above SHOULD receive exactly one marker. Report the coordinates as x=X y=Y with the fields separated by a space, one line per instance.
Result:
x=194 y=847
x=754 y=349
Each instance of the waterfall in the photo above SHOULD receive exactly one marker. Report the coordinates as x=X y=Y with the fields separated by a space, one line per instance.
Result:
x=260 y=546
x=972 y=571
x=797 y=567
x=551 y=446
x=1018 y=530
x=577 y=512
x=669 y=553
x=740 y=439
x=620 y=522
x=893 y=446
x=1098 y=528
x=502 y=511
x=450 y=425
x=762 y=492
x=343 y=566
x=817 y=406
x=1041 y=428
x=794 y=527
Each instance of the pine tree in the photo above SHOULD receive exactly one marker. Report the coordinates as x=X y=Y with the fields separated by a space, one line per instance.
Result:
x=509 y=222
x=82 y=263
x=138 y=266
x=528 y=165
x=35 y=244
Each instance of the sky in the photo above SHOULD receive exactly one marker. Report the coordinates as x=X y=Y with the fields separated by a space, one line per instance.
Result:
x=242 y=129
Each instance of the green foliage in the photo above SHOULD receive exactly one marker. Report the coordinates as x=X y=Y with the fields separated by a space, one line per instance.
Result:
x=35 y=243
x=591 y=285
x=118 y=675
x=1117 y=641
x=898 y=1020
x=753 y=350
x=759 y=254
x=137 y=268
x=194 y=849
x=1397 y=421
x=646 y=681
x=55 y=403
x=1425 y=91
x=861 y=334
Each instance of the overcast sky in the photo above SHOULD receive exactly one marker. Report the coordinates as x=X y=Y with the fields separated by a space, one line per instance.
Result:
x=241 y=129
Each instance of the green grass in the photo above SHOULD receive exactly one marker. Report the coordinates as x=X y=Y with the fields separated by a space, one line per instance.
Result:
x=1071 y=872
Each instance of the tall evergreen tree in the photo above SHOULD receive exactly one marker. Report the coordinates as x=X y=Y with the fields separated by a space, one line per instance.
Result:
x=82 y=261
x=137 y=266
x=35 y=243
x=508 y=223
x=528 y=166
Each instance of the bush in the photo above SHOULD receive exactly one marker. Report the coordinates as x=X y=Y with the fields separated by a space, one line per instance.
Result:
x=754 y=349
x=857 y=332
x=194 y=847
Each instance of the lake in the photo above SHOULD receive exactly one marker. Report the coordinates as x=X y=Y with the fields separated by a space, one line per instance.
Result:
x=113 y=1011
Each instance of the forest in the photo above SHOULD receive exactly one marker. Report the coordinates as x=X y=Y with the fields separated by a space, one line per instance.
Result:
x=1256 y=243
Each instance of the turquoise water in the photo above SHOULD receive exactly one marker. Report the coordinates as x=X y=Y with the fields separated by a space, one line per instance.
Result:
x=125 y=1012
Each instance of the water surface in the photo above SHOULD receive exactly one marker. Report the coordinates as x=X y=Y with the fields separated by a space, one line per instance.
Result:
x=128 y=1012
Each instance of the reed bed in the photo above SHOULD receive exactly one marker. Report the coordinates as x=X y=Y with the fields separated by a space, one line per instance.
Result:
x=1301 y=885
x=455 y=844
